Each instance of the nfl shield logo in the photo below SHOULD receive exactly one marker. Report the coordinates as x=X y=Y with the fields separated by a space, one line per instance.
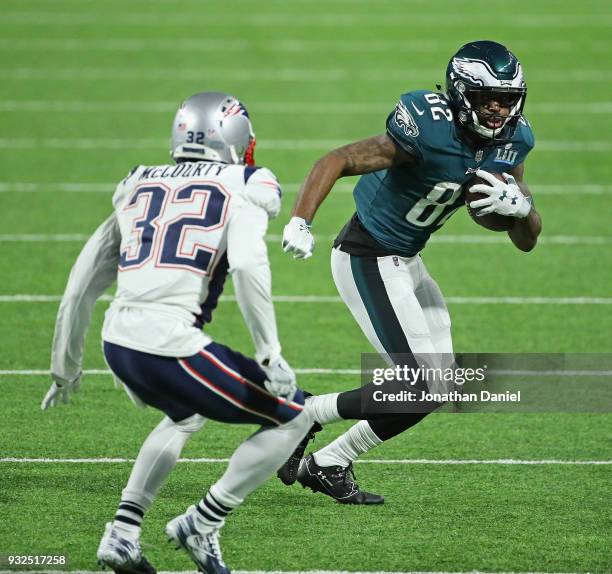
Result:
x=479 y=155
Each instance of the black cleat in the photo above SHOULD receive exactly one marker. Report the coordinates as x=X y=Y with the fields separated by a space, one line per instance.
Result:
x=338 y=482
x=288 y=473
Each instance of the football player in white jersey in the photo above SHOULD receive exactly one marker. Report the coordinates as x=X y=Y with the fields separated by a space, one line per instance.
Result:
x=175 y=233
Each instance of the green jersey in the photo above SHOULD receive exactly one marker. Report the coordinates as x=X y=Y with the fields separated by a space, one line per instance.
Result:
x=402 y=206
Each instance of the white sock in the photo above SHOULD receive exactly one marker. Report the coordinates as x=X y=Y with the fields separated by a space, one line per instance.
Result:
x=258 y=457
x=155 y=461
x=127 y=530
x=215 y=507
x=347 y=447
x=324 y=408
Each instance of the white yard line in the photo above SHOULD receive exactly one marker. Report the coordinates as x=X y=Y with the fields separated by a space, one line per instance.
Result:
x=322 y=371
x=23 y=298
x=291 y=571
x=482 y=239
x=43 y=238
x=55 y=187
x=529 y=300
x=97 y=144
x=390 y=461
x=285 y=572
x=322 y=299
x=267 y=75
x=503 y=239
x=320 y=108
x=291 y=187
x=288 y=21
x=300 y=75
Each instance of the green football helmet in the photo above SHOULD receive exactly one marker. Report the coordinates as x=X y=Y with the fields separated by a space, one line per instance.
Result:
x=481 y=72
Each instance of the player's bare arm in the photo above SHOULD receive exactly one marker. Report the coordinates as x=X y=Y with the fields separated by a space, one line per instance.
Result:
x=364 y=156
x=525 y=232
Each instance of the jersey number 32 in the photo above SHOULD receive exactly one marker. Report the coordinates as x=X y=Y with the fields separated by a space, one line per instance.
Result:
x=174 y=237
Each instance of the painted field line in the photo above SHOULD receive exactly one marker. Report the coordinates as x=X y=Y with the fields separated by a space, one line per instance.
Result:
x=322 y=371
x=105 y=372
x=322 y=299
x=390 y=461
x=267 y=75
x=555 y=373
x=317 y=108
x=97 y=144
x=286 y=572
x=482 y=239
x=414 y=19
x=503 y=239
x=228 y=74
x=283 y=572
x=292 y=187
x=529 y=300
x=442 y=239
x=43 y=238
x=55 y=187
x=276 y=43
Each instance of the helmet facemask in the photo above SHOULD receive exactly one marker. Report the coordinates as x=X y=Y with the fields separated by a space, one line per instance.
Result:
x=478 y=115
x=482 y=79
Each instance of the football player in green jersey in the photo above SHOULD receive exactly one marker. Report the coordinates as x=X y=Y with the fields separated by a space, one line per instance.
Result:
x=412 y=182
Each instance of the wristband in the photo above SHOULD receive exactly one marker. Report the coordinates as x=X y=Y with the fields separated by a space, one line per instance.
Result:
x=525 y=208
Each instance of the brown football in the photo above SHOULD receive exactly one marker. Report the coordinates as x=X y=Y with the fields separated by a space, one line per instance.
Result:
x=491 y=221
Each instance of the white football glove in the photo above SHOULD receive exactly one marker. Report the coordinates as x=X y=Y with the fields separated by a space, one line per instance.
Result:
x=504 y=198
x=60 y=391
x=298 y=239
x=281 y=378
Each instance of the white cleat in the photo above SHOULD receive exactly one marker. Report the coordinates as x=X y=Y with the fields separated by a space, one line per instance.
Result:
x=120 y=551
x=201 y=545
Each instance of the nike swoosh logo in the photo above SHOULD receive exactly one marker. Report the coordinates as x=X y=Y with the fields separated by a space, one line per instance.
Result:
x=417 y=109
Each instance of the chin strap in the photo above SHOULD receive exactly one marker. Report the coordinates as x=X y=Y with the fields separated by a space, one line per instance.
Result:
x=487 y=132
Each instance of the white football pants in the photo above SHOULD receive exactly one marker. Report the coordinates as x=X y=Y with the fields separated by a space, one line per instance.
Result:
x=395 y=301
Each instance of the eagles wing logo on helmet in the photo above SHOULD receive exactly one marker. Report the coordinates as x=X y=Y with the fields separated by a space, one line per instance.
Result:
x=403 y=118
x=480 y=73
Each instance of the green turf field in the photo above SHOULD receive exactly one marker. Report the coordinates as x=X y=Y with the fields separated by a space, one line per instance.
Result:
x=89 y=89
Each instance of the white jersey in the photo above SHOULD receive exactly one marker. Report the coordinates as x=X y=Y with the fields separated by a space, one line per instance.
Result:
x=175 y=223
x=176 y=231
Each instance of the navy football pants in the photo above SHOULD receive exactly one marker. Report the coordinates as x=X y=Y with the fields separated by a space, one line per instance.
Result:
x=217 y=383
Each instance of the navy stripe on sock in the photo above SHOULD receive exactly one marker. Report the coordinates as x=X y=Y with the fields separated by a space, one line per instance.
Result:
x=121 y=518
x=208 y=516
x=211 y=505
x=220 y=508
x=131 y=508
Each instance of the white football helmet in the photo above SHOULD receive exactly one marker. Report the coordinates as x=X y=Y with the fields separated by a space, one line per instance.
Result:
x=213 y=126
